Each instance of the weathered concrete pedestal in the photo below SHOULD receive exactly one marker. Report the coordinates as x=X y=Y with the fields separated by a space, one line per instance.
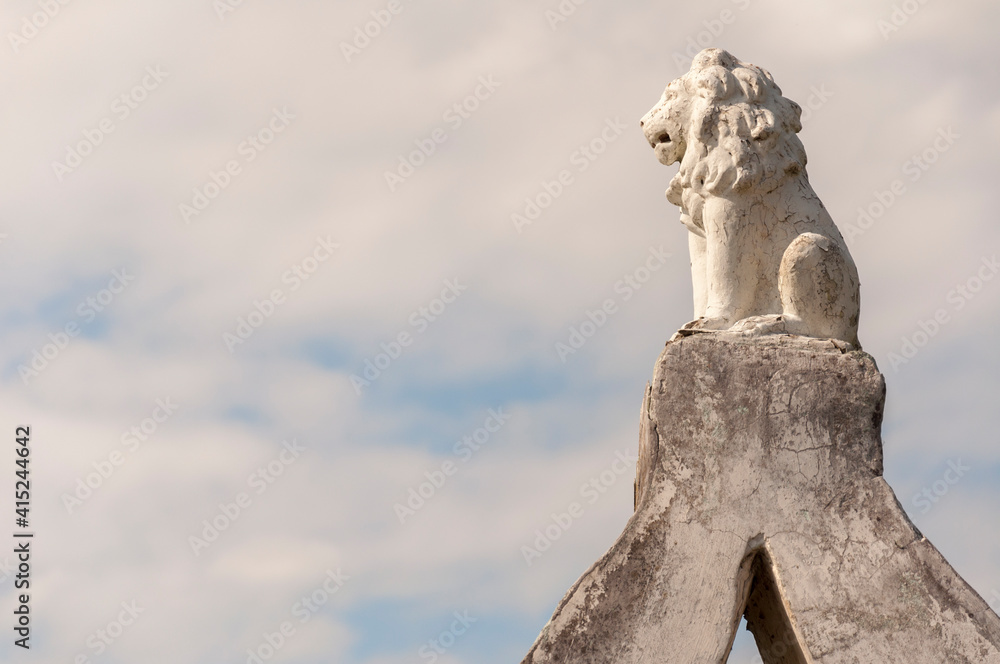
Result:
x=759 y=491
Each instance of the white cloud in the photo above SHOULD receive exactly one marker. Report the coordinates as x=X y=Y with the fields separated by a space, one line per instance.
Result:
x=495 y=346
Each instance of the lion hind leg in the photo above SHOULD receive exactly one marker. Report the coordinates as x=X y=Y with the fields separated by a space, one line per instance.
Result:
x=818 y=286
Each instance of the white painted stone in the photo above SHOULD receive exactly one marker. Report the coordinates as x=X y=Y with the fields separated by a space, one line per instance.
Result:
x=759 y=491
x=765 y=255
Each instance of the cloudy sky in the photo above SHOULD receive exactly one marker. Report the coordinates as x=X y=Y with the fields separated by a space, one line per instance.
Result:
x=261 y=281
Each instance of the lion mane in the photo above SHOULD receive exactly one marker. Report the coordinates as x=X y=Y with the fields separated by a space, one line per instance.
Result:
x=744 y=130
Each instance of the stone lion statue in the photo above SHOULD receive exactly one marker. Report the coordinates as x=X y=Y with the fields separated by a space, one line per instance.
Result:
x=765 y=255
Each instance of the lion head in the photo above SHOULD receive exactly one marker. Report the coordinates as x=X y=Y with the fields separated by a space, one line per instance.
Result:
x=730 y=128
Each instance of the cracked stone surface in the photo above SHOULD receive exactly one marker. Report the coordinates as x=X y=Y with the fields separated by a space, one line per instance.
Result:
x=759 y=490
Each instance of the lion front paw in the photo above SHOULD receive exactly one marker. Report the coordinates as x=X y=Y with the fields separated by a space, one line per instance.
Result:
x=702 y=325
x=756 y=326
x=707 y=324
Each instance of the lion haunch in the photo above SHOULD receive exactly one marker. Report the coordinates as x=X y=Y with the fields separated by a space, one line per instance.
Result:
x=765 y=255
